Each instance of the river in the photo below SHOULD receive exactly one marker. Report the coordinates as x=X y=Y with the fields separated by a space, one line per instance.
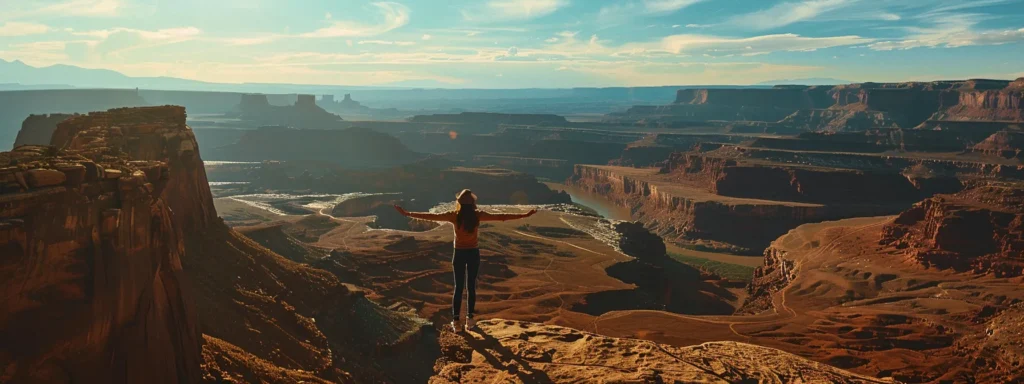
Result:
x=597 y=203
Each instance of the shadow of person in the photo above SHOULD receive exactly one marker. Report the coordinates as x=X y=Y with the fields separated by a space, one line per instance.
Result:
x=501 y=357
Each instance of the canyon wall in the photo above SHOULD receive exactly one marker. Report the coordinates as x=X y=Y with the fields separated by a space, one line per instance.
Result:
x=301 y=323
x=94 y=289
x=784 y=182
x=782 y=97
x=15 y=106
x=696 y=217
x=149 y=133
x=847 y=107
x=979 y=229
x=37 y=129
x=351 y=147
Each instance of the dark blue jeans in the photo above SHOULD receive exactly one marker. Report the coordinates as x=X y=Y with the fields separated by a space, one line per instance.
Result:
x=466 y=263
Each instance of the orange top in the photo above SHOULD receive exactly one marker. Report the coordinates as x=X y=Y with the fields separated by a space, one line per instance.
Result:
x=466 y=239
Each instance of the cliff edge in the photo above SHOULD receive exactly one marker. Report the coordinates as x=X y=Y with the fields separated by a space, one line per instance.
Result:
x=522 y=352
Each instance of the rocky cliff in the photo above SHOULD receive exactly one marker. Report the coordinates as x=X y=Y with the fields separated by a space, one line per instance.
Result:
x=979 y=229
x=154 y=134
x=516 y=351
x=850 y=106
x=692 y=215
x=780 y=97
x=301 y=323
x=16 y=105
x=1003 y=144
x=37 y=129
x=785 y=182
x=94 y=289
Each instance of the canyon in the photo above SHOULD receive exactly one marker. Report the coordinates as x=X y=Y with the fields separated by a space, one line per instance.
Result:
x=855 y=233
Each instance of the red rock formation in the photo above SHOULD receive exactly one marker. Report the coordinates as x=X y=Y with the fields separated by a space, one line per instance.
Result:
x=93 y=289
x=837 y=120
x=851 y=106
x=37 y=129
x=979 y=229
x=516 y=351
x=689 y=214
x=149 y=133
x=236 y=280
x=782 y=182
x=1003 y=144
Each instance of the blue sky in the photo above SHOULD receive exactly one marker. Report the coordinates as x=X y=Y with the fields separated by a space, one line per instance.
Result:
x=521 y=43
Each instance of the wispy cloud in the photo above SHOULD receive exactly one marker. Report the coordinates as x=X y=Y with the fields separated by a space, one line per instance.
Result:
x=515 y=9
x=386 y=42
x=394 y=15
x=181 y=33
x=668 y=5
x=14 y=28
x=746 y=46
x=83 y=8
x=951 y=30
x=784 y=14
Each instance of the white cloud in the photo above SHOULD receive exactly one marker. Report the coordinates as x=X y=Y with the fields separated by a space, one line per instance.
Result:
x=14 y=28
x=386 y=42
x=747 y=46
x=182 y=33
x=513 y=51
x=328 y=16
x=520 y=9
x=951 y=31
x=426 y=37
x=394 y=15
x=657 y=6
x=82 y=8
x=784 y=14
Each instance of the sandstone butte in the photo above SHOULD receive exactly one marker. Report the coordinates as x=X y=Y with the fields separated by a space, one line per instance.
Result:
x=118 y=270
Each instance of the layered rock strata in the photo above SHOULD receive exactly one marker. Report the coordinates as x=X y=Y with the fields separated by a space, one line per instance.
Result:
x=980 y=229
x=93 y=284
x=299 y=321
x=692 y=215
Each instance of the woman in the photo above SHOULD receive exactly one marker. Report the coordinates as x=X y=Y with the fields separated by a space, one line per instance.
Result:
x=466 y=219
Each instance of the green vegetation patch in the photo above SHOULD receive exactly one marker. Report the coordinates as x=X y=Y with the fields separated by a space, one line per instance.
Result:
x=725 y=270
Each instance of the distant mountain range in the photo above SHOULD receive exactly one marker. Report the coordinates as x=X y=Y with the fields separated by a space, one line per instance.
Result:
x=807 y=81
x=16 y=75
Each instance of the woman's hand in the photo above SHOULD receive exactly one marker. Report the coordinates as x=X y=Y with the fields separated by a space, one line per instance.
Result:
x=401 y=210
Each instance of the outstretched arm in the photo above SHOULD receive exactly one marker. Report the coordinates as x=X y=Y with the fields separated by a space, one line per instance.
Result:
x=424 y=215
x=487 y=216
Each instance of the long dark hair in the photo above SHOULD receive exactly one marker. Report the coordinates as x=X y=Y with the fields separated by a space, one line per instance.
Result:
x=465 y=216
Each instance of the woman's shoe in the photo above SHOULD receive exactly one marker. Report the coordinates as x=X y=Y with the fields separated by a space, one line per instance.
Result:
x=456 y=327
x=470 y=323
